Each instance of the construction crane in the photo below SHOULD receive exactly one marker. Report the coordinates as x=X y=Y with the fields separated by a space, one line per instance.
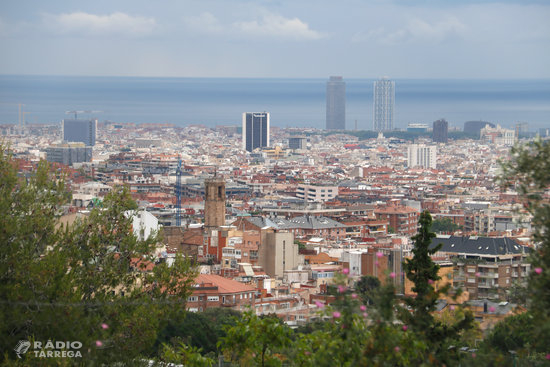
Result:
x=178 y=193
x=77 y=112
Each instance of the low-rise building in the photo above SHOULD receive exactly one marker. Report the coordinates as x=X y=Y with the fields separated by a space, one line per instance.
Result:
x=211 y=290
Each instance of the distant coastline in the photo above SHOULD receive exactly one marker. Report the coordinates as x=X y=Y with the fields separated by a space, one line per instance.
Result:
x=292 y=102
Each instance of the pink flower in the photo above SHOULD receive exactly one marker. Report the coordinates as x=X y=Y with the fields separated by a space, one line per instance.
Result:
x=319 y=304
x=430 y=281
x=452 y=308
x=363 y=308
x=345 y=271
x=473 y=355
x=478 y=274
x=376 y=263
x=104 y=326
x=354 y=295
x=491 y=309
x=548 y=356
x=538 y=270
x=392 y=275
x=397 y=349
x=365 y=314
x=336 y=314
x=341 y=289
x=98 y=343
x=379 y=255
x=405 y=327
x=307 y=352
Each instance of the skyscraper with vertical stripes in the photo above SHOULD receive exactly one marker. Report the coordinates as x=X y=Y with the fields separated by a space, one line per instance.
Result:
x=255 y=130
x=384 y=100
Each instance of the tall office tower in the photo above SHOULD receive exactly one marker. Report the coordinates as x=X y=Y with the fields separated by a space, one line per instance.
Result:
x=421 y=155
x=214 y=202
x=255 y=130
x=336 y=103
x=80 y=131
x=440 y=131
x=384 y=100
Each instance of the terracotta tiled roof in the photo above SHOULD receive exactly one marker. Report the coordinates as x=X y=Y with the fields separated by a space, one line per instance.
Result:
x=224 y=285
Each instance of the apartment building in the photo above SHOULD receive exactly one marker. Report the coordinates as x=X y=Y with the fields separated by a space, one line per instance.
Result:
x=486 y=267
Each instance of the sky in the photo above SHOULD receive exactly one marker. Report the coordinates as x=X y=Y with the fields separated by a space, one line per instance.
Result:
x=478 y=39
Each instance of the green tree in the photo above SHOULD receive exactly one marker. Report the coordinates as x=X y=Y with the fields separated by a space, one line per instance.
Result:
x=423 y=272
x=444 y=225
x=366 y=287
x=528 y=171
x=256 y=341
x=83 y=282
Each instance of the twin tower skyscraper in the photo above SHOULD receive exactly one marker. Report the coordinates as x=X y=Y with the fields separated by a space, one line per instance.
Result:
x=384 y=100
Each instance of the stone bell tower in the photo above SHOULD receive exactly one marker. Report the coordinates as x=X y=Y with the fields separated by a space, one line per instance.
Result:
x=214 y=202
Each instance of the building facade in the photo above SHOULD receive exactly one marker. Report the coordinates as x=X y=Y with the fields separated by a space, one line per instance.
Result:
x=497 y=135
x=421 y=155
x=69 y=153
x=384 y=101
x=214 y=202
x=440 y=131
x=255 y=130
x=316 y=193
x=336 y=104
x=83 y=131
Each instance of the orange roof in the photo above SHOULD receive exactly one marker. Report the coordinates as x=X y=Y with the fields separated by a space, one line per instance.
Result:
x=224 y=285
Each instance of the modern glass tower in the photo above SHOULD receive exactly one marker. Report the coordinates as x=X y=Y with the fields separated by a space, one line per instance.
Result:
x=83 y=131
x=336 y=103
x=255 y=130
x=384 y=100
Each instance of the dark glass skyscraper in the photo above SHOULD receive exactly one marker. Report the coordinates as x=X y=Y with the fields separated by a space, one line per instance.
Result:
x=255 y=130
x=384 y=100
x=336 y=103
x=440 y=131
x=83 y=131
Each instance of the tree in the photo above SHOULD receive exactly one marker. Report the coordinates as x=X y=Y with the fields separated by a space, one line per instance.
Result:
x=528 y=171
x=83 y=282
x=256 y=341
x=423 y=272
x=444 y=225
x=366 y=287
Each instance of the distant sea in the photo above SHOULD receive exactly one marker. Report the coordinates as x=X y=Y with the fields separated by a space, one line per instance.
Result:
x=291 y=102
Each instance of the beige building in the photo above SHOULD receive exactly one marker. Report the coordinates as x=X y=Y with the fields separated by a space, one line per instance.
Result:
x=278 y=252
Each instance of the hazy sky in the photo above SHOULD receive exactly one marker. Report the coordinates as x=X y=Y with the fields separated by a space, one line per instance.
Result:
x=277 y=38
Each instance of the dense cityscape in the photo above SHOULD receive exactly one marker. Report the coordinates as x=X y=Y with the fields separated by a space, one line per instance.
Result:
x=272 y=217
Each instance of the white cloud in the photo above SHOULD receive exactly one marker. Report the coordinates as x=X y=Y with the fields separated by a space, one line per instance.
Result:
x=277 y=26
x=204 y=23
x=417 y=30
x=97 y=25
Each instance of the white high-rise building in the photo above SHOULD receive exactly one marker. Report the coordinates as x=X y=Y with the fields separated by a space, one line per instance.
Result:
x=384 y=100
x=422 y=155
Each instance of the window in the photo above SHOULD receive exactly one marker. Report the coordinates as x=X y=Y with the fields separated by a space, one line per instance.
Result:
x=192 y=299
x=223 y=299
x=213 y=298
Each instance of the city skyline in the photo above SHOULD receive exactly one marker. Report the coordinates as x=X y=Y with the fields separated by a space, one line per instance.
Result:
x=438 y=39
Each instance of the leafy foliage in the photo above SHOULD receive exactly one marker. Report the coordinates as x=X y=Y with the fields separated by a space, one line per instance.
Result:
x=82 y=282
x=366 y=288
x=444 y=225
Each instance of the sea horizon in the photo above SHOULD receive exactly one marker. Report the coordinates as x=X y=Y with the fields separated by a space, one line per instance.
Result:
x=292 y=102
